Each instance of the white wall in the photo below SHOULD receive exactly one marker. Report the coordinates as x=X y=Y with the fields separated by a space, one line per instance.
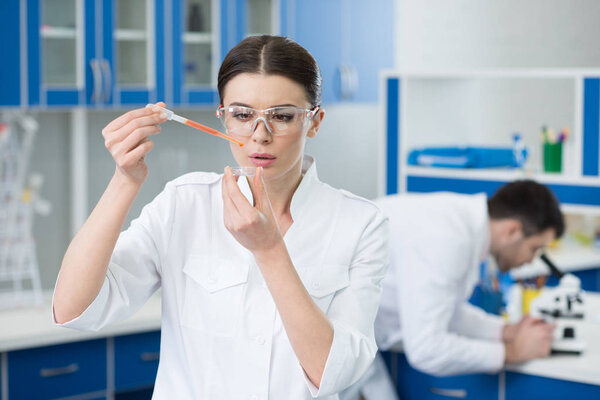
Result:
x=442 y=34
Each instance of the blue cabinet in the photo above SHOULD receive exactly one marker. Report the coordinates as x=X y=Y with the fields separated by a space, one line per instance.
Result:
x=129 y=62
x=81 y=369
x=112 y=53
x=57 y=371
x=351 y=40
x=412 y=384
x=200 y=28
x=521 y=386
x=11 y=69
x=136 y=360
x=54 y=47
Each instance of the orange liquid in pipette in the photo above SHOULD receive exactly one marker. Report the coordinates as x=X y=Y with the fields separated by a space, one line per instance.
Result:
x=211 y=131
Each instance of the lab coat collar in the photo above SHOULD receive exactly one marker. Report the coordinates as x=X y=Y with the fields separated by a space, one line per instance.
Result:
x=309 y=181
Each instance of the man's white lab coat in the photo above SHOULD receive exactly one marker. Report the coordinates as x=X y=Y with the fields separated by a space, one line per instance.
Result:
x=437 y=244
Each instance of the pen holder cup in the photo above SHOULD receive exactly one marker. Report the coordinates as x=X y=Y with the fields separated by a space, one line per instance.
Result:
x=552 y=157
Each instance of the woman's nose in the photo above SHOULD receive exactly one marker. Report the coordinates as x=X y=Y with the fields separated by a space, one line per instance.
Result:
x=261 y=132
x=265 y=122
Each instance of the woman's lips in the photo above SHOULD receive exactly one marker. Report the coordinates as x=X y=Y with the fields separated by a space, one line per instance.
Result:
x=262 y=159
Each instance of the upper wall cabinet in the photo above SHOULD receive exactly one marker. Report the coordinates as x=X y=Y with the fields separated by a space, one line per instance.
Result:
x=129 y=58
x=44 y=52
x=194 y=50
x=114 y=53
x=352 y=40
x=83 y=52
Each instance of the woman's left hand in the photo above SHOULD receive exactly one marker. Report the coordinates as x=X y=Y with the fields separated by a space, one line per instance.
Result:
x=254 y=227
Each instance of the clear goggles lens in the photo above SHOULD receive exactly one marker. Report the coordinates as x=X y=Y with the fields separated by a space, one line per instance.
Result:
x=243 y=121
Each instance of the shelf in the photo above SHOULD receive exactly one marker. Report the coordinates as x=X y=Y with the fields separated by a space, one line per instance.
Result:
x=498 y=174
x=131 y=34
x=495 y=73
x=55 y=32
x=197 y=38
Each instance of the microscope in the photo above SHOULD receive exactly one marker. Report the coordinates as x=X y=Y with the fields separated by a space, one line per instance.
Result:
x=564 y=302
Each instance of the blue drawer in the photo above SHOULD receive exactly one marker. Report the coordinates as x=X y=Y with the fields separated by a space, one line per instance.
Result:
x=415 y=385
x=57 y=371
x=136 y=360
x=522 y=386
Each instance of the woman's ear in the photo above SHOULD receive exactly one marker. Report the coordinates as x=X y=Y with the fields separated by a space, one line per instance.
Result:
x=316 y=122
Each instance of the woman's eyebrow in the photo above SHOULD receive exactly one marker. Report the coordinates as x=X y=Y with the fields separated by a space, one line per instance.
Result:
x=284 y=105
x=237 y=103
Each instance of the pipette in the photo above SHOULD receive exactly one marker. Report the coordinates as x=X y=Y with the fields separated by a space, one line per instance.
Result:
x=171 y=116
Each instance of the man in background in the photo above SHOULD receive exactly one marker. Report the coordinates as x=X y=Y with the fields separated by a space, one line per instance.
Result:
x=437 y=244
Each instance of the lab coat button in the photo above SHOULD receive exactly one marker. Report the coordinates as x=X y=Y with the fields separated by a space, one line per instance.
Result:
x=316 y=285
x=260 y=340
x=212 y=278
x=253 y=397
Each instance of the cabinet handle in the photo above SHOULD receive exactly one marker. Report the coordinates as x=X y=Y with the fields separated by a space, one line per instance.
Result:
x=97 y=76
x=348 y=81
x=454 y=393
x=149 y=356
x=50 y=372
x=106 y=73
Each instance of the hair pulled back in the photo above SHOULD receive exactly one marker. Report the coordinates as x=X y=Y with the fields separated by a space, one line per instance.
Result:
x=272 y=55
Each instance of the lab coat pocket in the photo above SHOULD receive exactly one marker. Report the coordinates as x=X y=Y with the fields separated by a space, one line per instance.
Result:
x=214 y=294
x=323 y=283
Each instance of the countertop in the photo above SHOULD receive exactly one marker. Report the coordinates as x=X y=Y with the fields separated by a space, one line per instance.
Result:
x=28 y=327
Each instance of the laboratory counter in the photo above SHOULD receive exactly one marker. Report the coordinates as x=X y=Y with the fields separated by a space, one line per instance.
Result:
x=29 y=327
x=32 y=327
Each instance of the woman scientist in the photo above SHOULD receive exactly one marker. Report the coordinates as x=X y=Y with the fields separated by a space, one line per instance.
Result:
x=266 y=294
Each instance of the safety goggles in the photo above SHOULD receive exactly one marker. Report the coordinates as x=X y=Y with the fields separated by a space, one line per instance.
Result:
x=243 y=121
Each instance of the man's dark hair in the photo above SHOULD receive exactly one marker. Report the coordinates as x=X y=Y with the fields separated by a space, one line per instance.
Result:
x=533 y=204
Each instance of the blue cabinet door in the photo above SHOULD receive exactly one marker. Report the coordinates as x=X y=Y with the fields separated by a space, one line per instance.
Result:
x=351 y=40
x=136 y=360
x=317 y=26
x=412 y=384
x=371 y=44
x=521 y=386
x=56 y=51
x=202 y=33
x=57 y=371
x=132 y=55
x=10 y=69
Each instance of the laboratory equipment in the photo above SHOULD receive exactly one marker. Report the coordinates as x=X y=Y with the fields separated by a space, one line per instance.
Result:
x=19 y=271
x=563 y=302
x=171 y=116
x=243 y=171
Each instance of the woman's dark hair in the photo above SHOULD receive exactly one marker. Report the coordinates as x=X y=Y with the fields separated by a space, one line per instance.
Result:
x=534 y=205
x=273 y=55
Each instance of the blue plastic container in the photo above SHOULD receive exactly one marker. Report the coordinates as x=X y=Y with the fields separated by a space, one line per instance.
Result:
x=466 y=157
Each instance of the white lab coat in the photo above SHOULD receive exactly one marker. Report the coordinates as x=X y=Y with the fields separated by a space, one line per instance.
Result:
x=437 y=244
x=222 y=337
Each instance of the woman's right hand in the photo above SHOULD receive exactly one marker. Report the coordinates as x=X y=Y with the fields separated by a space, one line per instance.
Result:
x=127 y=140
